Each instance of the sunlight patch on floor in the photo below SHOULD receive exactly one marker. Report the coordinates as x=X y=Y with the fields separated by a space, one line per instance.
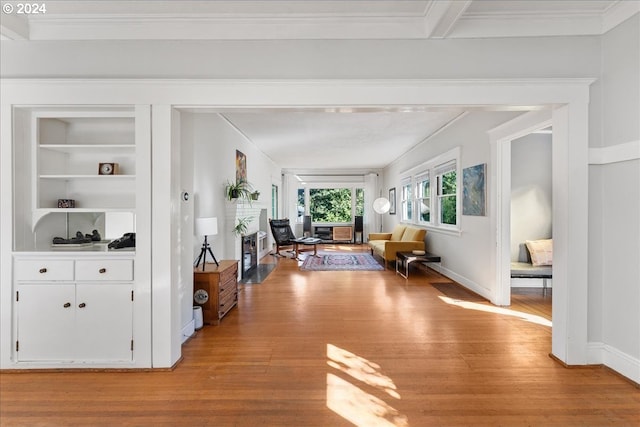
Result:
x=352 y=402
x=497 y=310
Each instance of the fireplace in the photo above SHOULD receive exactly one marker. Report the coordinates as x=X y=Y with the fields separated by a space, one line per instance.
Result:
x=249 y=254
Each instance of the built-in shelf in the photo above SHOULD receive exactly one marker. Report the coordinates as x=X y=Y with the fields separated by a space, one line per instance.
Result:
x=69 y=148
x=102 y=177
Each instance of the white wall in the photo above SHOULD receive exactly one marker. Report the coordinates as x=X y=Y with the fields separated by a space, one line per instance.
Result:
x=291 y=59
x=215 y=143
x=614 y=225
x=530 y=190
x=467 y=257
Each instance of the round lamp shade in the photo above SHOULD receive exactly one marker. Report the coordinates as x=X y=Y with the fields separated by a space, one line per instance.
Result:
x=381 y=205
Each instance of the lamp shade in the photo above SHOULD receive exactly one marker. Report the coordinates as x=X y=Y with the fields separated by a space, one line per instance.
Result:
x=206 y=226
x=381 y=205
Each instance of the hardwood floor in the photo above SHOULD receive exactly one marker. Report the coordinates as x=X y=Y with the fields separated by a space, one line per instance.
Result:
x=341 y=349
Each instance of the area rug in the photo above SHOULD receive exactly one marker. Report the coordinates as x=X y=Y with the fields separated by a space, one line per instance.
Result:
x=341 y=262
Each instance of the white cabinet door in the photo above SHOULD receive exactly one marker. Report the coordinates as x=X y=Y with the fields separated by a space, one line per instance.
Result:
x=104 y=322
x=46 y=322
x=75 y=323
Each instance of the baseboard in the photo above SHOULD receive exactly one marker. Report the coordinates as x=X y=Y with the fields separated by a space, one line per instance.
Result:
x=467 y=283
x=597 y=353
x=611 y=357
x=188 y=330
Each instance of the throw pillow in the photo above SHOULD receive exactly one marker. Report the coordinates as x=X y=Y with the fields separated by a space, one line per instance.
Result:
x=410 y=234
x=398 y=232
x=541 y=251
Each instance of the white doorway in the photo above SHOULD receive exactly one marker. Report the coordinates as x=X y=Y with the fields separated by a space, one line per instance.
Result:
x=502 y=140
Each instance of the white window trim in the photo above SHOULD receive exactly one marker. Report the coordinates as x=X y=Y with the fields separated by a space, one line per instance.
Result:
x=431 y=166
x=418 y=185
x=307 y=187
x=403 y=183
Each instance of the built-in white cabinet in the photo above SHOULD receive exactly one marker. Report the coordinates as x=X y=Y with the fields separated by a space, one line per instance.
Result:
x=74 y=310
x=81 y=305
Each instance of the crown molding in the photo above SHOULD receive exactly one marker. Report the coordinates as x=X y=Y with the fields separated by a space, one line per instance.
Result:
x=618 y=13
x=13 y=27
x=297 y=20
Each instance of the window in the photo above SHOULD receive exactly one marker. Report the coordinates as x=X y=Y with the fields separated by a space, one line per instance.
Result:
x=447 y=193
x=274 y=200
x=359 y=202
x=330 y=204
x=423 y=198
x=429 y=193
x=301 y=205
x=406 y=200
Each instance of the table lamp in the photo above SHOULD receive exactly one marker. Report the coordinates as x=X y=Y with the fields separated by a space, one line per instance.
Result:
x=206 y=227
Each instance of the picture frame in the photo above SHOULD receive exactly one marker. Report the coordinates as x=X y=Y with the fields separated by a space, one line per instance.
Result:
x=474 y=190
x=241 y=167
x=392 y=201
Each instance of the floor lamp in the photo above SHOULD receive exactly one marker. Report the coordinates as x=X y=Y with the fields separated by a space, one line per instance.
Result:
x=206 y=227
x=381 y=205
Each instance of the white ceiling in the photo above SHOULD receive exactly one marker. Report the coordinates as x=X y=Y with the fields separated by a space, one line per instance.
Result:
x=340 y=139
x=320 y=139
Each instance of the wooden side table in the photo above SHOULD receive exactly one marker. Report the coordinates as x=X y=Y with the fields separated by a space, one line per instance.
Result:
x=406 y=258
x=216 y=289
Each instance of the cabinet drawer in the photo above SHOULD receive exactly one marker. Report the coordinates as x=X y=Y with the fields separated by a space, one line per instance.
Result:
x=227 y=285
x=229 y=274
x=104 y=269
x=43 y=269
x=228 y=302
x=225 y=291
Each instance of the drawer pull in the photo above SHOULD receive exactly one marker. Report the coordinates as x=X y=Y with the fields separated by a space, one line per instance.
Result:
x=67 y=305
x=102 y=270
x=82 y=305
x=42 y=270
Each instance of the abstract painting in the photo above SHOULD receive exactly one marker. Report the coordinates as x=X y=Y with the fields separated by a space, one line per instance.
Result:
x=241 y=167
x=474 y=190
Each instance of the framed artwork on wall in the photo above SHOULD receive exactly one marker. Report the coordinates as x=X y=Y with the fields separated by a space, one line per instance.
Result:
x=392 y=201
x=241 y=167
x=474 y=190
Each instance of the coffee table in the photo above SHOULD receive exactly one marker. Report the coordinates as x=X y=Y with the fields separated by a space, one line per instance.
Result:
x=305 y=241
x=406 y=258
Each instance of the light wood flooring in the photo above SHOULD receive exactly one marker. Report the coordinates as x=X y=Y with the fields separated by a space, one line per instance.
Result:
x=344 y=349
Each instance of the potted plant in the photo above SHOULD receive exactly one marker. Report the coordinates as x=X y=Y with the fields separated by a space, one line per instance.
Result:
x=255 y=195
x=242 y=226
x=238 y=190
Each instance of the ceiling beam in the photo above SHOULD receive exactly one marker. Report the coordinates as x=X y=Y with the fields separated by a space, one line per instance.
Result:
x=442 y=15
x=13 y=27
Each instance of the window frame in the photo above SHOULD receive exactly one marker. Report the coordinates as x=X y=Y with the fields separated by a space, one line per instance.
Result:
x=406 y=200
x=353 y=187
x=421 y=198
x=434 y=169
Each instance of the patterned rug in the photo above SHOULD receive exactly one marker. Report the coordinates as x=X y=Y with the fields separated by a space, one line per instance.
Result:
x=341 y=262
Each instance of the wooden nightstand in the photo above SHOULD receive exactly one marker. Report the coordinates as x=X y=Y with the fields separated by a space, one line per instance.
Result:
x=216 y=289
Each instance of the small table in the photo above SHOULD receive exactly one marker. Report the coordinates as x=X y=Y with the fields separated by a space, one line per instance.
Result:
x=406 y=258
x=306 y=241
